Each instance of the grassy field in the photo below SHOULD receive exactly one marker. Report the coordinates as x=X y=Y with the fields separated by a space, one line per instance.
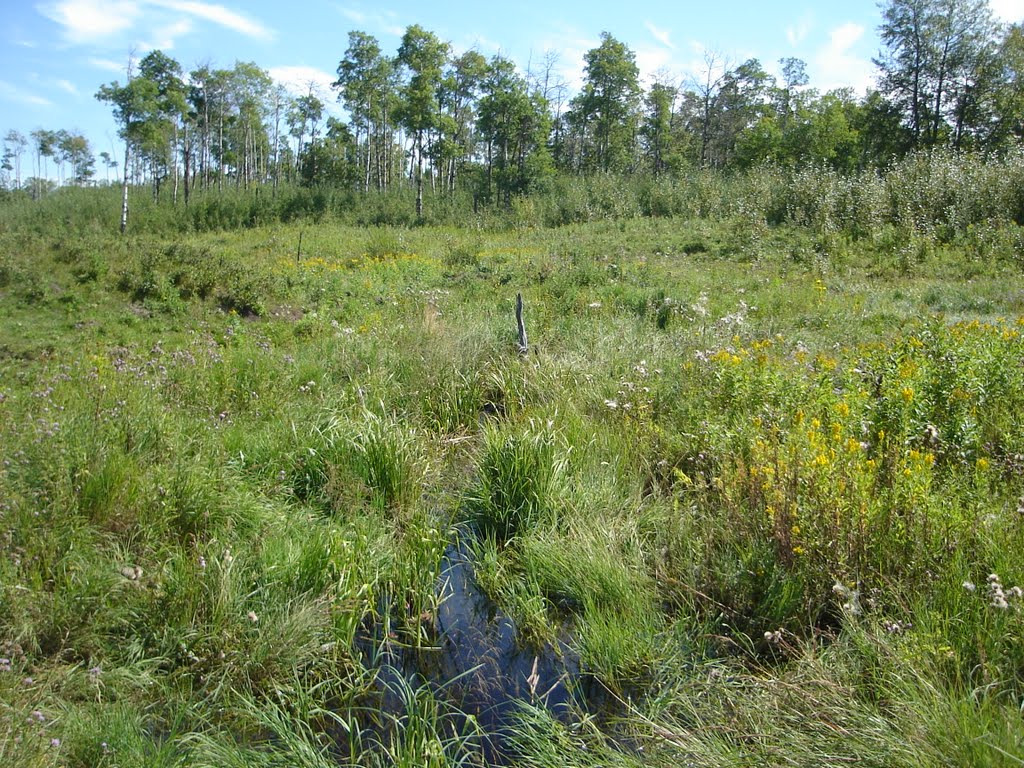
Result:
x=752 y=497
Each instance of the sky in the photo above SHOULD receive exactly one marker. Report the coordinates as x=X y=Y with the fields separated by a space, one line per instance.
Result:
x=55 y=55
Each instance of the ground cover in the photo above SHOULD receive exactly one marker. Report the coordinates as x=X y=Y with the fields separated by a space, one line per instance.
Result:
x=753 y=494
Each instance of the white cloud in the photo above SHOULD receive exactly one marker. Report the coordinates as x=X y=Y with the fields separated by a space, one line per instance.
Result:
x=164 y=37
x=88 y=21
x=67 y=85
x=353 y=15
x=378 y=22
x=1011 y=11
x=836 y=66
x=10 y=92
x=218 y=14
x=660 y=34
x=797 y=32
x=845 y=35
x=477 y=43
x=571 y=47
x=96 y=21
x=108 y=65
x=297 y=79
x=654 y=63
x=707 y=64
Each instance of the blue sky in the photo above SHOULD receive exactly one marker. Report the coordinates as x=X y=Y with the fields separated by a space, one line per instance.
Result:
x=54 y=55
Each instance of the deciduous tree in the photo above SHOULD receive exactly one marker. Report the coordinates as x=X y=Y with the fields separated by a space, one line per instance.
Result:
x=605 y=112
x=422 y=56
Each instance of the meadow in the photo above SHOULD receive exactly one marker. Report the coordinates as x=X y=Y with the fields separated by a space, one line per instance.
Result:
x=753 y=496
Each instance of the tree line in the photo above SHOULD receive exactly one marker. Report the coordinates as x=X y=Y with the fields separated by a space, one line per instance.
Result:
x=70 y=152
x=948 y=76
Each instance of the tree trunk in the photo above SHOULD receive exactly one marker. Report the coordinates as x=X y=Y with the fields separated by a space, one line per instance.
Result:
x=490 y=169
x=220 y=159
x=174 y=161
x=277 y=141
x=124 y=189
x=524 y=345
x=369 y=134
x=187 y=159
x=419 y=175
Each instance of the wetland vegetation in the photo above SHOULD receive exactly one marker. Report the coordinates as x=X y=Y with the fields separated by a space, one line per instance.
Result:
x=278 y=488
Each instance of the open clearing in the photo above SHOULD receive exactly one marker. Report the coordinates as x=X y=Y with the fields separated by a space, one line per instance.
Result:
x=752 y=496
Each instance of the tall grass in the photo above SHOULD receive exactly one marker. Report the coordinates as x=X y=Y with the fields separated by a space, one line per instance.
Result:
x=759 y=473
x=517 y=486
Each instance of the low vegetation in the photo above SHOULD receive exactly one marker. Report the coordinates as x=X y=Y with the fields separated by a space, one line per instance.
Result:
x=759 y=475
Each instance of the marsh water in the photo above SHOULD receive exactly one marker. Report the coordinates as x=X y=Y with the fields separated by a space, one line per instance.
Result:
x=479 y=670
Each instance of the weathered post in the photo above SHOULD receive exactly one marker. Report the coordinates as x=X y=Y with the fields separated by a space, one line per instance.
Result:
x=521 y=324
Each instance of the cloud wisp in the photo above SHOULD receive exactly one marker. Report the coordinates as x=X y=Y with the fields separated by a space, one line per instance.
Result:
x=108 y=66
x=837 y=65
x=299 y=80
x=797 y=32
x=218 y=14
x=662 y=35
x=91 y=22
x=164 y=38
x=10 y=92
x=67 y=86
x=383 y=22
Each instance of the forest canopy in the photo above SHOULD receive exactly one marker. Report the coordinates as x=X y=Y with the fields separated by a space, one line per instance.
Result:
x=425 y=117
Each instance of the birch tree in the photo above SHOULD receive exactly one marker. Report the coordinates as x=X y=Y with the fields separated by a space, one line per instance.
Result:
x=422 y=55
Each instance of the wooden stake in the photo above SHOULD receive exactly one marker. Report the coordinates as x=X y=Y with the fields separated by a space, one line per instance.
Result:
x=523 y=345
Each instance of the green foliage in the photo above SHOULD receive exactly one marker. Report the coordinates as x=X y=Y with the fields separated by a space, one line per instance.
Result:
x=791 y=405
x=607 y=105
x=517 y=485
x=385 y=243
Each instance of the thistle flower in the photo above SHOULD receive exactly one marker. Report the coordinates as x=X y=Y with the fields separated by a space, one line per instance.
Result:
x=132 y=572
x=997 y=598
x=896 y=627
x=774 y=637
x=850 y=597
